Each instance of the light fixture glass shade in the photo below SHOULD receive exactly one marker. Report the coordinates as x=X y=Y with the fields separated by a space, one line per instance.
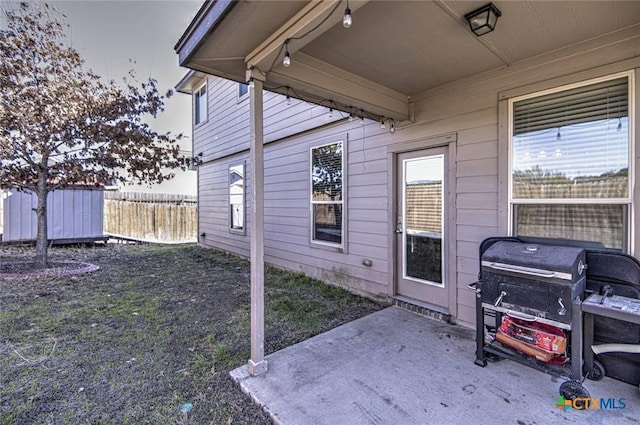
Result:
x=483 y=20
x=287 y=60
x=347 y=20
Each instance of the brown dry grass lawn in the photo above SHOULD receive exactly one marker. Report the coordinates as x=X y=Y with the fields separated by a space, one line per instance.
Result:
x=155 y=327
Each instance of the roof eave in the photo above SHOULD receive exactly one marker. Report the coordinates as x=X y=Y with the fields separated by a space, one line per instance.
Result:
x=206 y=20
x=189 y=82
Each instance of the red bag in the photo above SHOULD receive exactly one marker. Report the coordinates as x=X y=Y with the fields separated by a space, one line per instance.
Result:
x=544 y=342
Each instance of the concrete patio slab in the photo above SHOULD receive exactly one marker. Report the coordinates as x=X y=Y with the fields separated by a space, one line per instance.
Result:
x=395 y=367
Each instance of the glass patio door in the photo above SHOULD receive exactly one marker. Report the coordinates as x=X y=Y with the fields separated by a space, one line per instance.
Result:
x=420 y=226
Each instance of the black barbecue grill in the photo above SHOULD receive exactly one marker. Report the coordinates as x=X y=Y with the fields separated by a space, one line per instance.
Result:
x=532 y=283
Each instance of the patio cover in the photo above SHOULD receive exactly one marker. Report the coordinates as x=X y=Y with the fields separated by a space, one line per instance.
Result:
x=395 y=53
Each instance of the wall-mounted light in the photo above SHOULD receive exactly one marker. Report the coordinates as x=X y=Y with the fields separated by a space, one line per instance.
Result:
x=347 y=20
x=483 y=20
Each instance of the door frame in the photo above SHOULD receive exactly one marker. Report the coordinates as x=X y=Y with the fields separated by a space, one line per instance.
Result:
x=450 y=239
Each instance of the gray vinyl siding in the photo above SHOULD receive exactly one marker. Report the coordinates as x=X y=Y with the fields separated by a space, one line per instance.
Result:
x=287 y=215
x=213 y=207
x=468 y=110
x=226 y=131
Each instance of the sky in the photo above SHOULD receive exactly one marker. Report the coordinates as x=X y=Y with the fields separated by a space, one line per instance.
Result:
x=108 y=34
x=116 y=36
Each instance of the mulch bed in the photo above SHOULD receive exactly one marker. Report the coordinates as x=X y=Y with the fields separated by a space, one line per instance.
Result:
x=28 y=270
x=150 y=337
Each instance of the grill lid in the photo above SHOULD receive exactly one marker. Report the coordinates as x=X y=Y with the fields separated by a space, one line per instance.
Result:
x=541 y=261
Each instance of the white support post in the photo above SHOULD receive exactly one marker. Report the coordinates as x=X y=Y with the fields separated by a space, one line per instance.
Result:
x=257 y=364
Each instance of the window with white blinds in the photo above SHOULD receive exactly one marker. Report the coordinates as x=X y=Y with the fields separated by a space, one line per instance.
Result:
x=570 y=164
x=327 y=197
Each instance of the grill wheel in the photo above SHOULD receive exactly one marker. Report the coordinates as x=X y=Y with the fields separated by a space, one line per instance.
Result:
x=598 y=371
x=571 y=390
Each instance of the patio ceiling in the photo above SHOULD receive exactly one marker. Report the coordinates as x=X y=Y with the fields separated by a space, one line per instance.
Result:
x=394 y=51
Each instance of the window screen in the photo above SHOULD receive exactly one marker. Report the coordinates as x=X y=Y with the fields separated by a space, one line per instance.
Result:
x=327 y=193
x=200 y=104
x=236 y=197
x=570 y=164
x=243 y=89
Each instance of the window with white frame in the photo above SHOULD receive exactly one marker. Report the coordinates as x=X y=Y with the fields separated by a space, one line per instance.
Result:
x=200 y=104
x=571 y=163
x=327 y=194
x=236 y=197
x=243 y=90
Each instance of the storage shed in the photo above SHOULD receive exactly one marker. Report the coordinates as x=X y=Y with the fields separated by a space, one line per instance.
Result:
x=74 y=214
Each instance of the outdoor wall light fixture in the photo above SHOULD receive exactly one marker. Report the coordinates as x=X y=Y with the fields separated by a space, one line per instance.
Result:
x=347 y=20
x=483 y=20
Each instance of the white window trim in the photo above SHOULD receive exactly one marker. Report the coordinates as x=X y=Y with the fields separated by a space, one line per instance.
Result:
x=234 y=230
x=341 y=246
x=195 y=101
x=244 y=96
x=631 y=230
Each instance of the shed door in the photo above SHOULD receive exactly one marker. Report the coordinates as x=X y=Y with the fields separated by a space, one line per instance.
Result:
x=420 y=226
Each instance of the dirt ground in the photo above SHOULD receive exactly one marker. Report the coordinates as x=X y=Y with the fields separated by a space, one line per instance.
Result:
x=150 y=337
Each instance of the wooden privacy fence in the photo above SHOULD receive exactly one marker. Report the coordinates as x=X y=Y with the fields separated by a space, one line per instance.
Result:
x=151 y=216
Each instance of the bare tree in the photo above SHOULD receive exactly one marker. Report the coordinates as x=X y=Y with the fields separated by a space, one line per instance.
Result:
x=61 y=125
